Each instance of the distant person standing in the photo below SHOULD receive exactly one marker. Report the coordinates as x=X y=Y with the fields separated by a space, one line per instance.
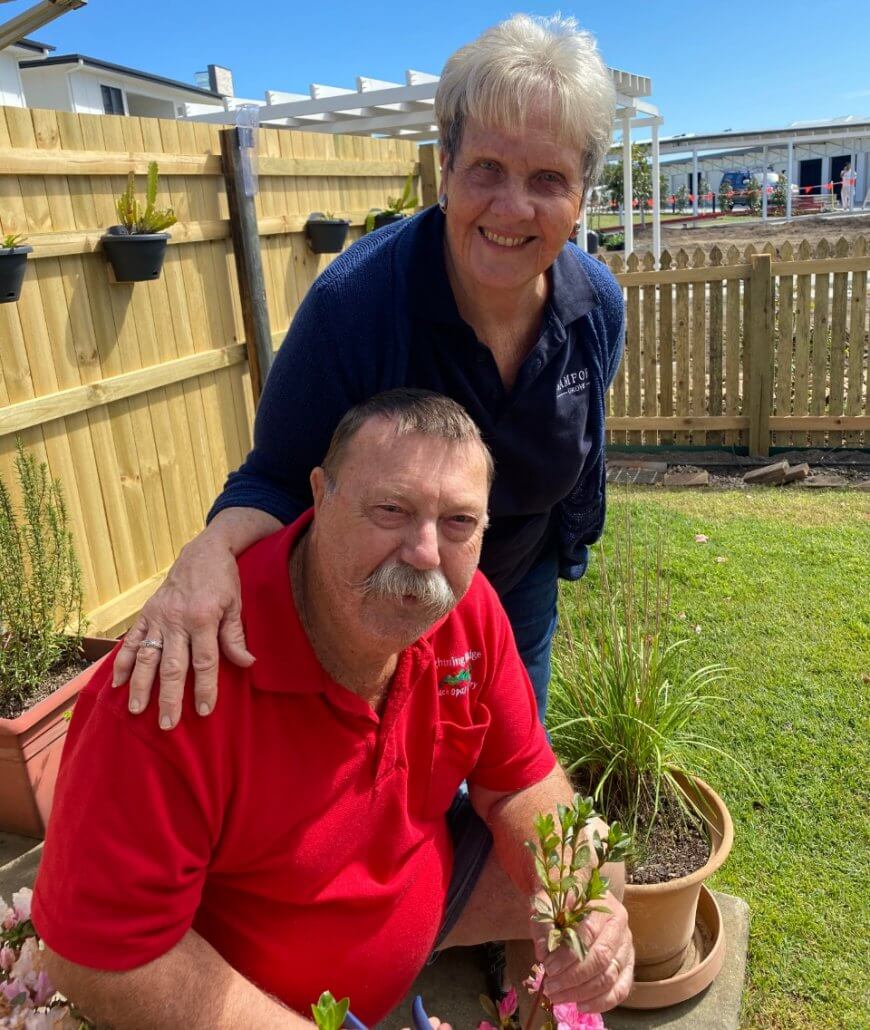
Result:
x=848 y=181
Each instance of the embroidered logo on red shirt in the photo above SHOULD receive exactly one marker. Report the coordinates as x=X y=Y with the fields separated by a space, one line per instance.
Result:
x=458 y=682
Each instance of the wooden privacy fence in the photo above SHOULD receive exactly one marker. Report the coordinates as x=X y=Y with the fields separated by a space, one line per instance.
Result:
x=139 y=397
x=753 y=349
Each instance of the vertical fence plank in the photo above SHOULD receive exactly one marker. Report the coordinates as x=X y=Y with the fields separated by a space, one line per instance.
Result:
x=681 y=345
x=650 y=387
x=803 y=324
x=782 y=387
x=715 y=345
x=666 y=347
x=732 y=345
x=839 y=312
x=759 y=343
x=821 y=342
x=858 y=348
x=699 y=347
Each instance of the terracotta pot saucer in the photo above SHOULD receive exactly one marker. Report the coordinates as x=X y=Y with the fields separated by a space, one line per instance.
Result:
x=701 y=965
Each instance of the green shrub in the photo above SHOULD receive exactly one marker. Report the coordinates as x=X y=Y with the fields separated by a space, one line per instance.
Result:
x=682 y=196
x=41 y=619
x=726 y=196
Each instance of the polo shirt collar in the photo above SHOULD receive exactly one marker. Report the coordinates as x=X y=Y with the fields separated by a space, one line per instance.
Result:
x=572 y=295
x=286 y=662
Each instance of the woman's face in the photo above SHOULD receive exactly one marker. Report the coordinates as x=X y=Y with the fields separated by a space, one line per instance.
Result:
x=512 y=201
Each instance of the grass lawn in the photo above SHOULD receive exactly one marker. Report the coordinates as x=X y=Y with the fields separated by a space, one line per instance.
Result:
x=789 y=613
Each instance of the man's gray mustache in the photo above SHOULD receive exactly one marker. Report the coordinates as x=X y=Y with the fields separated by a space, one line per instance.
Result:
x=394 y=580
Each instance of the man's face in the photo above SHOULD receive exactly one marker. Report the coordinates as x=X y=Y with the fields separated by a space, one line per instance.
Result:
x=413 y=501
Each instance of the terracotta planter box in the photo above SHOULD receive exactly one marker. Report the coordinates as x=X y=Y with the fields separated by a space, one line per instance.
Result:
x=30 y=750
x=663 y=916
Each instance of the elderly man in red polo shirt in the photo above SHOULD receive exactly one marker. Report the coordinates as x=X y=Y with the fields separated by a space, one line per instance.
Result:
x=307 y=836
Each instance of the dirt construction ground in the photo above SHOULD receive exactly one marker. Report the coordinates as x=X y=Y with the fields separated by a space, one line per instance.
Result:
x=707 y=234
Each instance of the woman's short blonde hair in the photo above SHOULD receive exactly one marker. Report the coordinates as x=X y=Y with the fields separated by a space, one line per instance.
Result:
x=508 y=70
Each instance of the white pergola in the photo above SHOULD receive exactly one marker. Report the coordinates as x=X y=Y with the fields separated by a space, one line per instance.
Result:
x=406 y=111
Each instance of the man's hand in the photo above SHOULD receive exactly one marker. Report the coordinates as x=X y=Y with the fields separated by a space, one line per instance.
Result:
x=602 y=979
x=434 y=1021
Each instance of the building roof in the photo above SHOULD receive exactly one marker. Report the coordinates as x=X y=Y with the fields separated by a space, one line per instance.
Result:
x=32 y=44
x=92 y=62
x=851 y=125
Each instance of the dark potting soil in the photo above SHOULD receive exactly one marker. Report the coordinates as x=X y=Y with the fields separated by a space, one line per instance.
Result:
x=677 y=843
x=12 y=706
x=676 y=846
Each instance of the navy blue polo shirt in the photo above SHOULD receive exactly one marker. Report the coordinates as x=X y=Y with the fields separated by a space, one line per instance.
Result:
x=383 y=315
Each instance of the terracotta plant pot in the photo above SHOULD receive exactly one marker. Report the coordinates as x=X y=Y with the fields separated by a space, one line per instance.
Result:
x=703 y=963
x=13 y=265
x=662 y=916
x=30 y=749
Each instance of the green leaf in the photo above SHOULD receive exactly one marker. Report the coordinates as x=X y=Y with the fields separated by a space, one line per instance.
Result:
x=489 y=1008
x=554 y=939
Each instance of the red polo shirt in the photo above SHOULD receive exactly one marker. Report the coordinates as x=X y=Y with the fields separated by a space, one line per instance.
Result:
x=297 y=831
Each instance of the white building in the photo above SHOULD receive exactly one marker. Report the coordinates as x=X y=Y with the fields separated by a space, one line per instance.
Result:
x=808 y=154
x=11 y=87
x=86 y=85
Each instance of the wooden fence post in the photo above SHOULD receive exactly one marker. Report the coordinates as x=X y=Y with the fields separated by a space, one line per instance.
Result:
x=249 y=265
x=760 y=341
x=430 y=173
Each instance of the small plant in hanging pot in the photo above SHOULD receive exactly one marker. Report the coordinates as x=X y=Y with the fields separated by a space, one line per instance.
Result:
x=325 y=232
x=13 y=258
x=396 y=206
x=136 y=246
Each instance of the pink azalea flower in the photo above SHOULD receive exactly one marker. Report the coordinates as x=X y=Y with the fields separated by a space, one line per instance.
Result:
x=508 y=1005
x=42 y=989
x=13 y=989
x=569 y=1017
x=486 y=1026
x=7 y=958
x=21 y=903
x=533 y=982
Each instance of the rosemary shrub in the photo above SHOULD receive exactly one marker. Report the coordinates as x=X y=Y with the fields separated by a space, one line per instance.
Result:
x=41 y=620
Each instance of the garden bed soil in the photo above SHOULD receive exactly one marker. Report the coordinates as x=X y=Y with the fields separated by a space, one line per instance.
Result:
x=12 y=707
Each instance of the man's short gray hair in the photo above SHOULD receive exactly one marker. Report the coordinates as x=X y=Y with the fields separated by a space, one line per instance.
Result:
x=503 y=74
x=410 y=411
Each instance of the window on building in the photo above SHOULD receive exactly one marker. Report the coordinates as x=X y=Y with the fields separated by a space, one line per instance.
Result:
x=113 y=100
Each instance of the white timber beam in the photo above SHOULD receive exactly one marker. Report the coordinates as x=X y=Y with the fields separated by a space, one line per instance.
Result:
x=627 y=188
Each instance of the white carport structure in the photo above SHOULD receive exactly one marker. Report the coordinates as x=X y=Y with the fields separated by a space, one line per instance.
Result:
x=391 y=109
x=807 y=138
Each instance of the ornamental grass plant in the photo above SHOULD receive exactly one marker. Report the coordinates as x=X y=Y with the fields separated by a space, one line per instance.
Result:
x=41 y=621
x=624 y=707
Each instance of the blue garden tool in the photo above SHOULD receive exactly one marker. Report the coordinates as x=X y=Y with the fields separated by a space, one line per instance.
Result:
x=419 y=1019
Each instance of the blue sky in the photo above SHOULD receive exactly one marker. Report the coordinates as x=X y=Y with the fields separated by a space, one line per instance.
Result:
x=759 y=65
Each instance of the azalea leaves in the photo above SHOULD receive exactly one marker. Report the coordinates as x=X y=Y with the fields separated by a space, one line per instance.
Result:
x=561 y=852
x=328 y=1013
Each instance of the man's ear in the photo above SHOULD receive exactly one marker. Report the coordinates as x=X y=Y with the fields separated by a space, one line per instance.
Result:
x=317 y=479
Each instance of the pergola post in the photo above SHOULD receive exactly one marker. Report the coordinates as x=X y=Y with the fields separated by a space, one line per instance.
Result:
x=764 y=184
x=790 y=176
x=657 y=200
x=627 y=187
x=582 y=238
x=695 y=189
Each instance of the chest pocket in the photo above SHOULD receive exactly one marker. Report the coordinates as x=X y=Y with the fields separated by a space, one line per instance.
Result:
x=454 y=755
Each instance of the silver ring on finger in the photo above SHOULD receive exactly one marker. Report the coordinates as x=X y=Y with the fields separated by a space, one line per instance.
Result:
x=156 y=644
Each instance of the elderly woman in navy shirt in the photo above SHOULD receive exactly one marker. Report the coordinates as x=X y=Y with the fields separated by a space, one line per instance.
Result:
x=481 y=298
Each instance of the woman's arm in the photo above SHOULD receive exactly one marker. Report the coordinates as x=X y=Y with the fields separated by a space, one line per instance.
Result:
x=190 y=986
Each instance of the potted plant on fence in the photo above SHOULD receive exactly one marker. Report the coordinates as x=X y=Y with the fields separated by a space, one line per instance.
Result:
x=13 y=258
x=325 y=232
x=396 y=206
x=42 y=650
x=136 y=246
x=624 y=713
